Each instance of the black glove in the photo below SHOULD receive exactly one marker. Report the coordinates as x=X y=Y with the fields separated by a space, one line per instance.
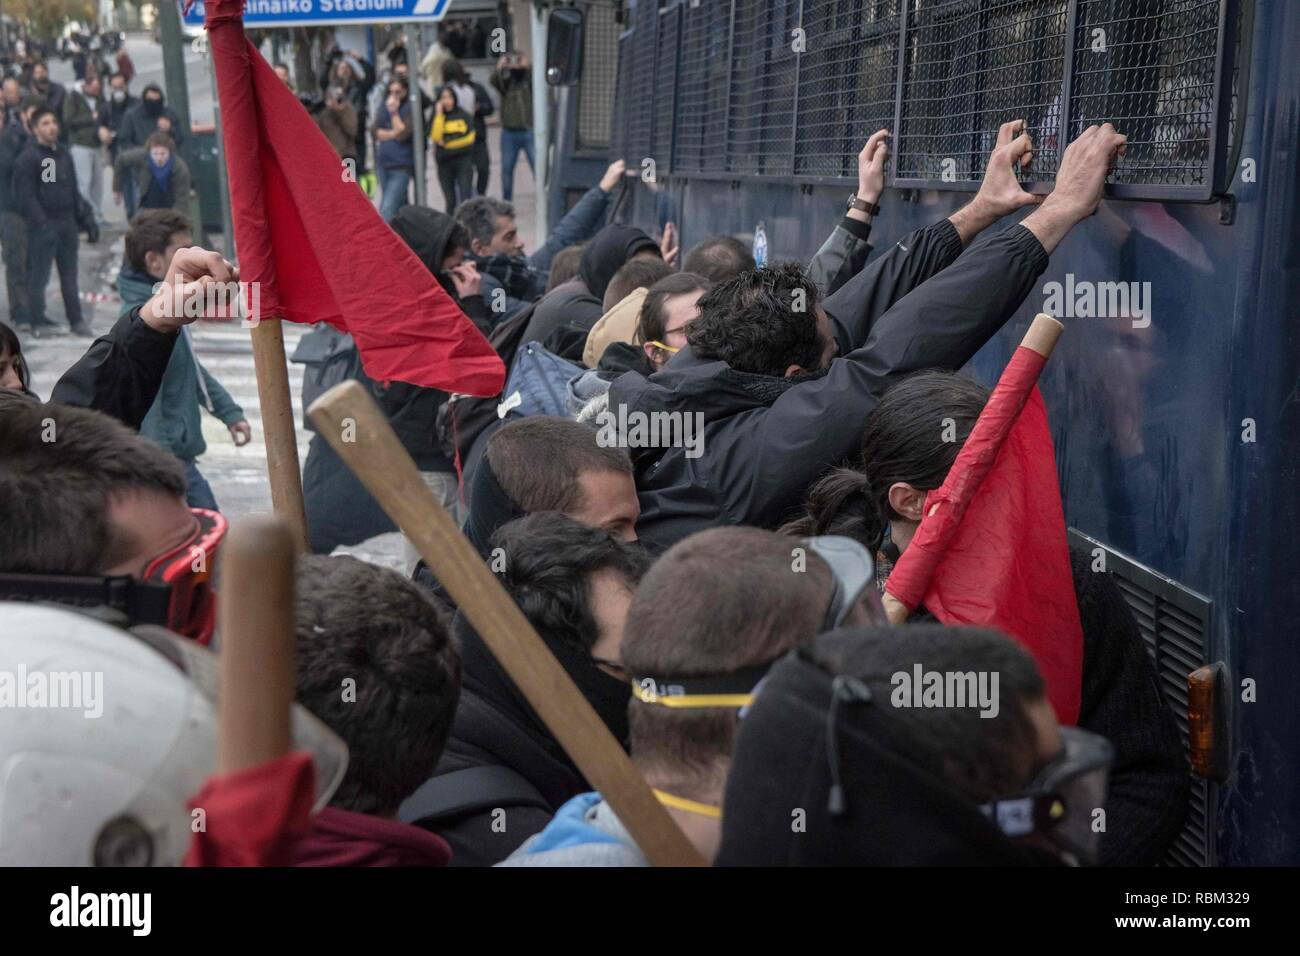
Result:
x=92 y=231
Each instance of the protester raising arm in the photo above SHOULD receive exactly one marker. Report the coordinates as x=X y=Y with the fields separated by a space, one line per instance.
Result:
x=582 y=221
x=939 y=325
x=845 y=250
x=914 y=259
x=121 y=371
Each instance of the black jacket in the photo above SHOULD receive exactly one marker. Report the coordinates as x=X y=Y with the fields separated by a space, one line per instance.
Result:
x=12 y=142
x=121 y=372
x=765 y=440
x=496 y=727
x=44 y=197
x=136 y=125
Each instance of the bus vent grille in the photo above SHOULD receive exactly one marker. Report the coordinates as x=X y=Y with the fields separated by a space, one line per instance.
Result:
x=596 y=91
x=1175 y=623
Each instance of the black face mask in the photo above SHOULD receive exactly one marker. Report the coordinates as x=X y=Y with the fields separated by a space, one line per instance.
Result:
x=153 y=107
x=41 y=84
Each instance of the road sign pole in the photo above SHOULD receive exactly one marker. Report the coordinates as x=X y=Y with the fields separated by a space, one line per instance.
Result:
x=178 y=92
x=418 y=143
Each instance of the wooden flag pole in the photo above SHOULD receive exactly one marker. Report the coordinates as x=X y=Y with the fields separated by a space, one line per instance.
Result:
x=255 y=607
x=1041 y=337
x=353 y=424
x=278 y=428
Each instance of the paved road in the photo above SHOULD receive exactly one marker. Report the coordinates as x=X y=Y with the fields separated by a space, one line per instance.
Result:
x=237 y=475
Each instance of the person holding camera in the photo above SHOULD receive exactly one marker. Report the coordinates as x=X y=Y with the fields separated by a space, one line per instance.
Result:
x=513 y=80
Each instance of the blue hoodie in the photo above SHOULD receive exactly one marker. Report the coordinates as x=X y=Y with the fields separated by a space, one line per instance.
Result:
x=584 y=832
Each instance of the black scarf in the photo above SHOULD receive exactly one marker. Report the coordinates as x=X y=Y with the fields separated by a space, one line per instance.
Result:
x=487 y=679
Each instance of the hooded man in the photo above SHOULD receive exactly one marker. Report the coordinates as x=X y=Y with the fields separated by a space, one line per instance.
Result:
x=578 y=304
x=339 y=509
x=843 y=743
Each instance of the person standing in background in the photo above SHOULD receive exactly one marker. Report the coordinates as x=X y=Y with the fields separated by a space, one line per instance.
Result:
x=514 y=82
x=394 y=150
x=84 y=115
x=45 y=187
x=13 y=227
x=453 y=138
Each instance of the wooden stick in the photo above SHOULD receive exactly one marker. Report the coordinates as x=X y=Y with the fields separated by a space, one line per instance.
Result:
x=255 y=608
x=1041 y=337
x=278 y=429
x=353 y=424
x=1043 y=334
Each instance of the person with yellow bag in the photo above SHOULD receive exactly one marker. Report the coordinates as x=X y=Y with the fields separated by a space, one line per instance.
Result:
x=453 y=141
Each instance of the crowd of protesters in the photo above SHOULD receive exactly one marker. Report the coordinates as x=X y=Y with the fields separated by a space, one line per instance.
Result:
x=749 y=689
x=57 y=147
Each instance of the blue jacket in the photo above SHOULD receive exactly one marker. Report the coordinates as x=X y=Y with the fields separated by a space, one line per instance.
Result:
x=173 y=420
x=583 y=832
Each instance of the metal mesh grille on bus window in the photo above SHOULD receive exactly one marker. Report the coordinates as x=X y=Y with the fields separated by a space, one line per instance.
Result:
x=1173 y=622
x=636 y=95
x=763 y=74
x=847 y=82
x=599 y=64
x=1148 y=66
x=705 y=62
x=970 y=66
x=669 y=27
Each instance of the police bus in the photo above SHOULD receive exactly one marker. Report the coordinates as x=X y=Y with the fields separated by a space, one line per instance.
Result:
x=1175 y=395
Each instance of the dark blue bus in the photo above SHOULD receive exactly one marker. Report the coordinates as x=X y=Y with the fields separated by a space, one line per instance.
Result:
x=1175 y=396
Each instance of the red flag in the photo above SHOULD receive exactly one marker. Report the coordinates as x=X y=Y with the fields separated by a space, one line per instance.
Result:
x=991 y=548
x=315 y=245
x=255 y=816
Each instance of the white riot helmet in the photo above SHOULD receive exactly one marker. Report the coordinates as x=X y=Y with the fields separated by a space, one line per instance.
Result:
x=106 y=734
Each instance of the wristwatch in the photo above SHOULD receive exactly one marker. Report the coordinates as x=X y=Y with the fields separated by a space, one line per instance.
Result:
x=862 y=205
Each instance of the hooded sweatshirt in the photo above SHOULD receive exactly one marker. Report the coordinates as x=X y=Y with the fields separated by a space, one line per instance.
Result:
x=898 y=810
x=173 y=420
x=585 y=832
x=577 y=305
x=343 y=838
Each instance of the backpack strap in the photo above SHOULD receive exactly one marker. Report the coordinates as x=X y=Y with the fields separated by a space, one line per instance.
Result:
x=460 y=793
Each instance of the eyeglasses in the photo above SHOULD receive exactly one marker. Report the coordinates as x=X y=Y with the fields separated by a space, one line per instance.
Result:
x=666 y=348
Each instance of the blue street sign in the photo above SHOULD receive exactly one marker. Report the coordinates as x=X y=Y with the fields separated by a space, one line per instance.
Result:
x=319 y=13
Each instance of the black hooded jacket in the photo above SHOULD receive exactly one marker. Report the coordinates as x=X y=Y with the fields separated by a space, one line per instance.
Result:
x=578 y=304
x=898 y=810
x=495 y=727
x=767 y=439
